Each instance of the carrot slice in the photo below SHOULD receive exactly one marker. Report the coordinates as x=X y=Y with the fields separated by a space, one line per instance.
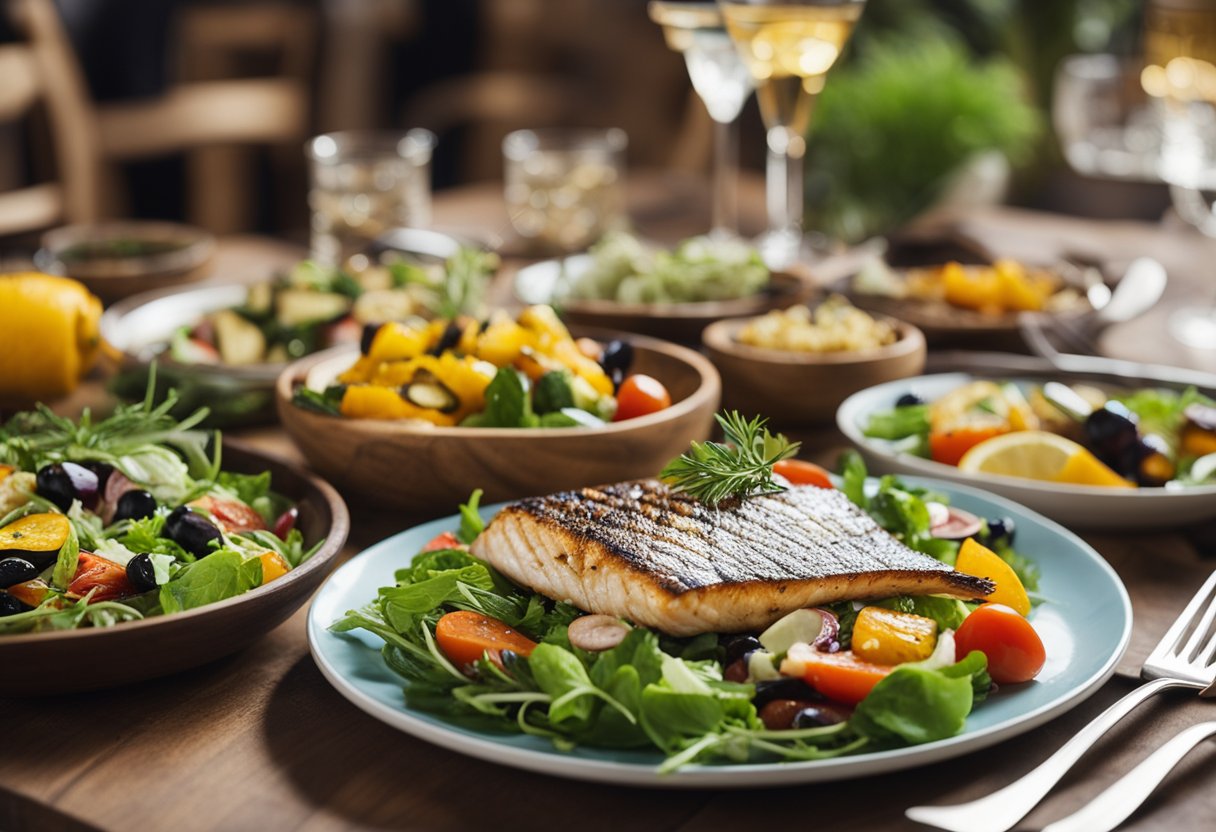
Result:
x=801 y=472
x=949 y=446
x=465 y=636
x=842 y=676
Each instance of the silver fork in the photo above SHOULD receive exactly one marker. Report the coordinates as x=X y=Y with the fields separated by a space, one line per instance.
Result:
x=1182 y=659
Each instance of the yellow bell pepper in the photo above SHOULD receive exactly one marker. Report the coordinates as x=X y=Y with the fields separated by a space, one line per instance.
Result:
x=49 y=336
x=273 y=566
x=978 y=560
x=397 y=341
x=888 y=637
x=366 y=401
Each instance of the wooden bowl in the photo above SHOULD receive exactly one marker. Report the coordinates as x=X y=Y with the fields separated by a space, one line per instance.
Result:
x=680 y=322
x=421 y=468
x=75 y=660
x=798 y=388
x=182 y=255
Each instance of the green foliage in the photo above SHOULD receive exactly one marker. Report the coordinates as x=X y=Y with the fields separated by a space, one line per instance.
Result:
x=892 y=127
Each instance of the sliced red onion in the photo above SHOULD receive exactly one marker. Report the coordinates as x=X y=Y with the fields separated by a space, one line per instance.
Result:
x=829 y=630
x=802 y=626
x=286 y=522
x=958 y=525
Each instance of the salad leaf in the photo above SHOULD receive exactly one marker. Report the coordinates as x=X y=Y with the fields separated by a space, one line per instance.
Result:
x=916 y=705
x=291 y=550
x=898 y=422
x=328 y=402
x=471 y=524
x=248 y=488
x=1160 y=411
x=222 y=574
x=949 y=613
x=560 y=674
x=145 y=536
x=853 y=472
x=507 y=403
x=65 y=564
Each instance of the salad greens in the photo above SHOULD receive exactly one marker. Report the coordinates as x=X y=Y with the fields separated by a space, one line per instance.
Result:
x=652 y=691
x=624 y=269
x=197 y=535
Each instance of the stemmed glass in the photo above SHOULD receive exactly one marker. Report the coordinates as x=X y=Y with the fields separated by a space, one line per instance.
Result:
x=788 y=46
x=723 y=83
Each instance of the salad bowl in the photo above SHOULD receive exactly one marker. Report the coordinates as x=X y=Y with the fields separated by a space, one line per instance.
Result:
x=65 y=661
x=423 y=468
x=680 y=322
x=1087 y=506
x=800 y=388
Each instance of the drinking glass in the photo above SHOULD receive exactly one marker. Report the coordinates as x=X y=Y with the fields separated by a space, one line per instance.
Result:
x=788 y=46
x=564 y=187
x=723 y=82
x=363 y=184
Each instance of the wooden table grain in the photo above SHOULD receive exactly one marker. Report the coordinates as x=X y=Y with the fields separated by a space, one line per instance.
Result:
x=260 y=741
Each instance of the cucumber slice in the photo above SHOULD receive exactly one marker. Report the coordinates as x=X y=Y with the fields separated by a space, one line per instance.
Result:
x=239 y=340
x=294 y=307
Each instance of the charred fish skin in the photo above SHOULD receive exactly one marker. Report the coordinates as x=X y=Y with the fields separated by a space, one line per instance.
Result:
x=664 y=560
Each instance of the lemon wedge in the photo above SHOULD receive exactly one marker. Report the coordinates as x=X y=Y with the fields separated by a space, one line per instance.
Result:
x=1039 y=455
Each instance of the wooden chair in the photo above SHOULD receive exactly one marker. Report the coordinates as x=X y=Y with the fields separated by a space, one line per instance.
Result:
x=191 y=116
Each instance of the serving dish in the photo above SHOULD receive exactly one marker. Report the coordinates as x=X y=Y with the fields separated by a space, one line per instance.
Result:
x=1088 y=618
x=681 y=322
x=420 y=467
x=1075 y=505
x=118 y=259
x=799 y=388
x=65 y=661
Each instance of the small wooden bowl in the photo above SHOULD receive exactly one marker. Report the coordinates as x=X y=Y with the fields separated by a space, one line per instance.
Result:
x=798 y=388
x=680 y=322
x=74 y=660
x=421 y=468
x=186 y=258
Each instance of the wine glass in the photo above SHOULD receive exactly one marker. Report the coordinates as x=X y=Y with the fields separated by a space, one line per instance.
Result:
x=788 y=46
x=723 y=83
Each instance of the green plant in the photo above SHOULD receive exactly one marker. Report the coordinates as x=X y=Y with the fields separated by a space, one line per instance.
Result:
x=896 y=122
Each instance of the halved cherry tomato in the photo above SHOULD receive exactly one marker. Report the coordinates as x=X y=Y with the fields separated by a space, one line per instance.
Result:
x=640 y=396
x=443 y=540
x=801 y=472
x=949 y=446
x=231 y=515
x=109 y=578
x=464 y=636
x=1014 y=650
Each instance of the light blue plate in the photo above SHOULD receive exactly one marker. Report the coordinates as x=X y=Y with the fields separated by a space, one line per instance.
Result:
x=1085 y=626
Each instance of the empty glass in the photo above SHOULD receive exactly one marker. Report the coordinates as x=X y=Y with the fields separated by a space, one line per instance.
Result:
x=565 y=187
x=365 y=183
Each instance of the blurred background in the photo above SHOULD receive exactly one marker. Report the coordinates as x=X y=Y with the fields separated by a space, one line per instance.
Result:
x=199 y=110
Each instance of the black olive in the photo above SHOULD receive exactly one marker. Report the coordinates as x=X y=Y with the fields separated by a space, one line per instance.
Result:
x=1001 y=528
x=134 y=505
x=449 y=339
x=616 y=360
x=366 y=338
x=140 y=572
x=10 y=605
x=783 y=688
x=15 y=571
x=909 y=400
x=740 y=646
x=101 y=469
x=53 y=483
x=816 y=716
x=1112 y=435
x=191 y=531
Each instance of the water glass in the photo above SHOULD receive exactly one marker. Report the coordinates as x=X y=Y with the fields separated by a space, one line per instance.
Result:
x=564 y=188
x=365 y=183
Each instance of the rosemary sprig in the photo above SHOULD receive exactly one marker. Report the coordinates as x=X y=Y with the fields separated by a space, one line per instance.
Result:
x=743 y=466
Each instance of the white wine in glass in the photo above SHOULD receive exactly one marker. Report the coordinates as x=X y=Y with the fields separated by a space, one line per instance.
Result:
x=723 y=83
x=788 y=46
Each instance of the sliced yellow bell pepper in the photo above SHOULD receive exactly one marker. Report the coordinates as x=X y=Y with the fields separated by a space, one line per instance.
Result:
x=889 y=637
x=273 y=566
x=978 y=560
x=49 y=336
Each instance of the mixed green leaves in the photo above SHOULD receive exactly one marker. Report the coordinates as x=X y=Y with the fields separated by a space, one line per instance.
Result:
x=742 y=466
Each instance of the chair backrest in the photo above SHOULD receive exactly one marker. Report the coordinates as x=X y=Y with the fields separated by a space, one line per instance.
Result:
x=44 y=71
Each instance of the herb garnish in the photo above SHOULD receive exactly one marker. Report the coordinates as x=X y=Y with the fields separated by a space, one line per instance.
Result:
x=712 y=471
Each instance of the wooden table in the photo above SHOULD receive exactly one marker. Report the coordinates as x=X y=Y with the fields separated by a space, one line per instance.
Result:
x=260 y=740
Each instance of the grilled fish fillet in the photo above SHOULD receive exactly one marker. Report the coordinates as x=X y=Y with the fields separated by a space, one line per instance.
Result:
x=640 y=551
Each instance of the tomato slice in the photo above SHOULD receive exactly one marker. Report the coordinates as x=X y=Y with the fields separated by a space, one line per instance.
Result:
x=231 y=515
x=107 y=577
x=640 y=395
x=1014 y=650
x=801 y=472
x=443 y=540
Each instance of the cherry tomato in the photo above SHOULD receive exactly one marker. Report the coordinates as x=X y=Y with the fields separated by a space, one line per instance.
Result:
x=1014 y=650
x=443 y=540
x=801 y=472
x=231 y=515
x=105 y=576
x=640 y=396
